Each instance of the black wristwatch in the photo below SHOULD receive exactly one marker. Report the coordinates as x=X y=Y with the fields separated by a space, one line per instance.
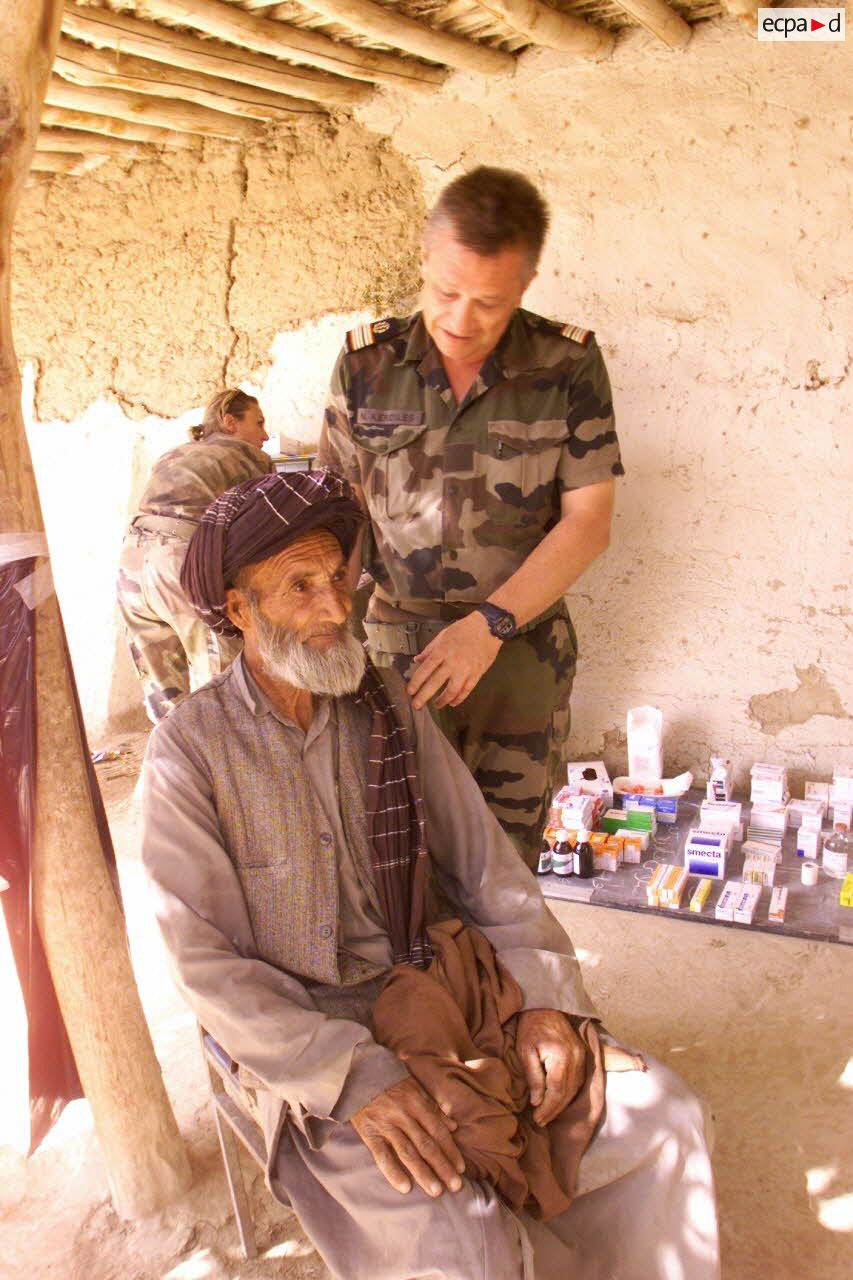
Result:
x=501 y=622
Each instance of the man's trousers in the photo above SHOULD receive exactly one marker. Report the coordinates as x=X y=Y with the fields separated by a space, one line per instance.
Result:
x=644 y=1208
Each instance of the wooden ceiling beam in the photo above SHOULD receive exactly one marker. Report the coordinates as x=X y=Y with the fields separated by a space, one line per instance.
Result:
x=112 y=127
x=185 y=117
x=545 y=26
x=107 y=30
x=383 y=23
x=104 y=68
x=80 y=142
x=55 y=162
x=236 y=26
x=656 y=16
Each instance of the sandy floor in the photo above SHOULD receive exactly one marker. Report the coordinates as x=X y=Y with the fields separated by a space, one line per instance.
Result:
x=763 y=1026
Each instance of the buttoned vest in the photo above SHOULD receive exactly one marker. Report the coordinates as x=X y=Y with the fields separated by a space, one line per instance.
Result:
x=274 y=829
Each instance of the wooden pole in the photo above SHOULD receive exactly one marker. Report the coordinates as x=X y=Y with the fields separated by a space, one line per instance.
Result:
x=542 y=25
x=172 y=113
x=103 y=68
x=55 y=162
x=90 y=144
x=112 y=127
x=236 y=26
x=383 y=23
x=656 y=16
x=107 y=30
x=78 y=916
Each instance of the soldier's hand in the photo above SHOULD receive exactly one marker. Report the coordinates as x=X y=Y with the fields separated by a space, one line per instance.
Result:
x=453 y=662
x=553 y=1058
x=403 y=1129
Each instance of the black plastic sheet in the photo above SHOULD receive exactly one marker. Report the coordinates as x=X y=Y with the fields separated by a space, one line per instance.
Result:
x=53 y=1079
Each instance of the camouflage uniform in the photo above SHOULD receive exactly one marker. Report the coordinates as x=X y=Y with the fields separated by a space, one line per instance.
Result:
x=459 y=495
x=170 y=646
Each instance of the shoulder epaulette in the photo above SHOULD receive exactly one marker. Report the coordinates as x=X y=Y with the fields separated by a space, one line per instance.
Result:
x=573 y=332
x=364 y=335
x=576 y=334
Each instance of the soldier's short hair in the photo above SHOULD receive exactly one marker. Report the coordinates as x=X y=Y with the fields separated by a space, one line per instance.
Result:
x=491 y=209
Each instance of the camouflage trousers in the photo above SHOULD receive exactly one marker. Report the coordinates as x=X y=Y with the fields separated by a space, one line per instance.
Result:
x=171 y=648
x=512 y=730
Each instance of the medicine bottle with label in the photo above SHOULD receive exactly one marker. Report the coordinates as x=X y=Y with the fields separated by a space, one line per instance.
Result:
x=544 y=859
x=582 y=861
x=561 y=859
x=837 y=851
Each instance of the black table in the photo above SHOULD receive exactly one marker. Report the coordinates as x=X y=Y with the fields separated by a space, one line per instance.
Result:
x=811 y=912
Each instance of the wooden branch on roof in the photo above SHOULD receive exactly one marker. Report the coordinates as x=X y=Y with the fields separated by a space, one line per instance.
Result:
x=383 y=23
x=105 y=68
x=90 y=144
x=663 y=22
x=112 y=127
x=746 y=10
x=55 y=162
x=545 y=26
x=227 y=22
x=185 y=117
x=107 y=30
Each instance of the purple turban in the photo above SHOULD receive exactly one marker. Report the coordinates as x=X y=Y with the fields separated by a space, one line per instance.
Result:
x=255 y=520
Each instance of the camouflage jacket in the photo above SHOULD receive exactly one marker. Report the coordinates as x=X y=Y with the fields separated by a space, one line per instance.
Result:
x=459 y=495
x=186 y=480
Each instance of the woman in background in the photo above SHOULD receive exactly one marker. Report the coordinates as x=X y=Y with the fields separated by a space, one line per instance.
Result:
x=171 y=647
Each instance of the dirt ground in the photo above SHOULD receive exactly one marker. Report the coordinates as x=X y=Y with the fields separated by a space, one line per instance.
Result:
x=761 y=1025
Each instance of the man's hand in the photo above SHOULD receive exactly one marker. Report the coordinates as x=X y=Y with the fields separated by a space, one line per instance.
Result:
x=553 y=1058
x=402 y=1129
x=457 y=658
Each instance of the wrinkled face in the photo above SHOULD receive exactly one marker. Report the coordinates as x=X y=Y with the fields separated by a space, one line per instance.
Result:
x=250 y=427
x=292 y=609
x=468 y=298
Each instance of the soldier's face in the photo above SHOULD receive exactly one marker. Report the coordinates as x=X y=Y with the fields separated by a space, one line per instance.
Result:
x=250 y=427
x=468 y=298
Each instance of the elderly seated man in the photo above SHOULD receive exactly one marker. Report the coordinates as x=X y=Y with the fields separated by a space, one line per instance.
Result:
x=439 y=1100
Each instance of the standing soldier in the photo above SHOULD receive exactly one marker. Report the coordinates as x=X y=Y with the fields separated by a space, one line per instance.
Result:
x=480 y=438
x=170 y=646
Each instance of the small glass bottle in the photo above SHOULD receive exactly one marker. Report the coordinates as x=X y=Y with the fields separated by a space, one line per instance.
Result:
x=561 y=858
x=582 y=862
x=544 y=859
x=837 y=850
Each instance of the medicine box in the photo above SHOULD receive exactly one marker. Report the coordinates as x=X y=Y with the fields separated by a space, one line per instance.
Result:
x=747 y=902
x=808 y=843
x=705 y=853
x=722 y=815
x=728 y=900
x=778 y=903
x=769 y=783
x=665 y=807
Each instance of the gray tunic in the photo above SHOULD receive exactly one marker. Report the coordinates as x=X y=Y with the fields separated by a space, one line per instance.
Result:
x=263 y=966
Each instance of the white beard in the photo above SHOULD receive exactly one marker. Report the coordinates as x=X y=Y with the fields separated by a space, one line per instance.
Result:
x=334 y=671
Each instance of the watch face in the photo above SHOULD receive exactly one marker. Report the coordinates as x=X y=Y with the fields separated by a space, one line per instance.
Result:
x=503 y=627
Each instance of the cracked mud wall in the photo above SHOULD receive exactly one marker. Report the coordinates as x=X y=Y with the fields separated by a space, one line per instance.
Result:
x=700 y=225
x=155 y=283
x=700 y=207
x=141 y=289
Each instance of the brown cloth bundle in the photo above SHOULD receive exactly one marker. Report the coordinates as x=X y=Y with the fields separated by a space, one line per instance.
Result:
x=454 y=1027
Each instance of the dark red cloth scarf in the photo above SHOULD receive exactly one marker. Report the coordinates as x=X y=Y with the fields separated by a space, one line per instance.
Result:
x=395 y=824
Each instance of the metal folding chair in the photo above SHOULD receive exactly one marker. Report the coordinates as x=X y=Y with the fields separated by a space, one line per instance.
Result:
x=235 y=1110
